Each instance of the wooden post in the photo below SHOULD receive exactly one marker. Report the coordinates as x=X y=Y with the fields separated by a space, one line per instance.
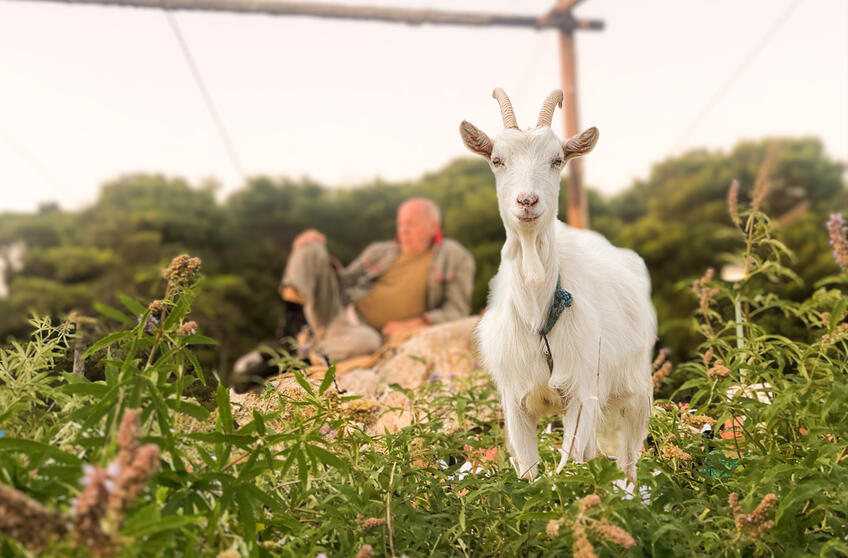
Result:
x=577 y=213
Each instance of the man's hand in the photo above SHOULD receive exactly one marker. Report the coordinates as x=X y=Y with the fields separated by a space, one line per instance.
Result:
x=290 y=294
x=402 y=325
x=307 y=236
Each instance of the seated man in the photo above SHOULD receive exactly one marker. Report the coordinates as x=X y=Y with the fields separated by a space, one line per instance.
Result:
x=416 y=280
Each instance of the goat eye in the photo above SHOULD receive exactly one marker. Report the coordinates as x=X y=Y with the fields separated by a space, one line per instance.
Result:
x=556 y=162
x=497 y=161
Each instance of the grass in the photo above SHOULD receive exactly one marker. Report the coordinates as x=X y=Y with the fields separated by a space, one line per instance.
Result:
x=301 y=477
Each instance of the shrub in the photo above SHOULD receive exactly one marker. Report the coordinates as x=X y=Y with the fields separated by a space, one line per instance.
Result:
x=748 y=457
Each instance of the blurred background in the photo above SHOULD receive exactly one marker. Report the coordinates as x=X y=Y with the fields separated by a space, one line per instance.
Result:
x=128 y=136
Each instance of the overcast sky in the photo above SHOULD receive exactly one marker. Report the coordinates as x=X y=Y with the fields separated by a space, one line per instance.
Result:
x=88 y=93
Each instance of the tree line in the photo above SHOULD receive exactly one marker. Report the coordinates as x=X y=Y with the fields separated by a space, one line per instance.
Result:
x=676 y=219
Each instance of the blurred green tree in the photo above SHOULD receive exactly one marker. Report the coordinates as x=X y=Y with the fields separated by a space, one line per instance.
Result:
x=676 y=219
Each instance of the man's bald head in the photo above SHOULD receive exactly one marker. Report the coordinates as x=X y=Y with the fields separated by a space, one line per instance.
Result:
x=422 y=206
x=418 y=221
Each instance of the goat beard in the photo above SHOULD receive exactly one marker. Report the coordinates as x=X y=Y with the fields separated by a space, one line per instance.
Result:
x=528 y=248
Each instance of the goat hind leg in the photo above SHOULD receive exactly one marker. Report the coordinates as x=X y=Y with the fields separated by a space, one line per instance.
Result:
x=635 y=416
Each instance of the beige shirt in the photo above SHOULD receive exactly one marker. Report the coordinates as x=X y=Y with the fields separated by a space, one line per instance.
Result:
x=399 y=294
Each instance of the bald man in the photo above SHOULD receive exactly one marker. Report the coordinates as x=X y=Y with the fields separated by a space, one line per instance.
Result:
x=416 y=280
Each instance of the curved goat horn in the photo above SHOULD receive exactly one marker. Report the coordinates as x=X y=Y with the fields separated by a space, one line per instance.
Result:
x=506 y=108
x=546 y=115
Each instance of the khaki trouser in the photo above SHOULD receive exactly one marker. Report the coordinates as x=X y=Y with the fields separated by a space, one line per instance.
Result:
x=342 y=334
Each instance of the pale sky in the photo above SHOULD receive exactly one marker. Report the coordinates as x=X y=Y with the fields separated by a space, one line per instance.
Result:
x=90 y=92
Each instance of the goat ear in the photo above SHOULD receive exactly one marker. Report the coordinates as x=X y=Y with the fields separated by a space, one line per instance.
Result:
x=475 y=140
x=580 y=144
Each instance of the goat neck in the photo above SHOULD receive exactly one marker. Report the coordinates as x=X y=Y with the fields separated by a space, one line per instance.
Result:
x=530 y=263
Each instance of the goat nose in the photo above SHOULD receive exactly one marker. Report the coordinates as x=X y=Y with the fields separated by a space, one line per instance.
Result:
x=527 y=200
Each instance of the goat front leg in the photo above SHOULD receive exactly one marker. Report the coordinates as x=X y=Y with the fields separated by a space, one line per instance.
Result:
x=579 y=441
x=521 y=438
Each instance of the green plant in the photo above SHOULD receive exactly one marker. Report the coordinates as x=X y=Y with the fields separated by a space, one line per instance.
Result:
x=747 y=458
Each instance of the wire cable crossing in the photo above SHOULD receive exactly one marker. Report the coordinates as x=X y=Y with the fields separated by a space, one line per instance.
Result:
x=207 y=96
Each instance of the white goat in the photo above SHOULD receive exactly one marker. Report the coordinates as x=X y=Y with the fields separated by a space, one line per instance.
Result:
x=600 y=346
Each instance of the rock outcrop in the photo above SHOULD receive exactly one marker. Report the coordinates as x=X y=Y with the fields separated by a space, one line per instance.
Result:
x=438 y=353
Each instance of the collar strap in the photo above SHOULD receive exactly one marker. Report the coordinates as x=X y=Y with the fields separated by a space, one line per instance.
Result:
x=562 y=300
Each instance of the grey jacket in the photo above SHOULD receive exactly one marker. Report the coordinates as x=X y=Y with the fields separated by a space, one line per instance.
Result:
x=449 y=284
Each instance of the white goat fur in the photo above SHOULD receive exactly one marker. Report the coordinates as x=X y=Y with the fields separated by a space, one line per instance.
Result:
x=601 y=345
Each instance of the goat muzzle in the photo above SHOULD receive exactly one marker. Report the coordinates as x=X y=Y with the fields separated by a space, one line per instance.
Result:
x=527 y=201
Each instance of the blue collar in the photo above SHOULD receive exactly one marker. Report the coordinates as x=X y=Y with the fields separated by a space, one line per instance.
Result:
x=562 y=300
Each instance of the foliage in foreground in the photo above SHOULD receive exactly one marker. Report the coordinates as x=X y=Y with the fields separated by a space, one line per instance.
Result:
x=769 y=478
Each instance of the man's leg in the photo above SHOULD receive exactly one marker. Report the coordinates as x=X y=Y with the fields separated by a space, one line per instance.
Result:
x=310 y=274
x=348 y=337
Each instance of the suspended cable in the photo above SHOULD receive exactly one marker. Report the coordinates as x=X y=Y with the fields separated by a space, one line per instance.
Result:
x=758 y=46
x=207 y=97
x=42 y=170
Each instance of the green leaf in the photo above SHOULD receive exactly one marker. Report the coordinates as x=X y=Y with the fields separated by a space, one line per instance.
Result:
x=31 y=448
x=96 y=389
x=190 y=409
x=225 y=414
x=245 y=513
x=163 y=417
x=198 y=370
x=325 y=457
x=304 y=383
x=259 y=422
x=838 y=312
x=241 y=440
x=106 y=341
x=329 y=375
x=133 y=306
x=113 y=313
x=11 y=411
x=180 y=309
x=407 y=392
x=91 y=414
x=270 y=499
x=147 y=521
x=198 y=340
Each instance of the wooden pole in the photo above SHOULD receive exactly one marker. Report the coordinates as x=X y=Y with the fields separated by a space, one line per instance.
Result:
x=577 y=212
x=344 y=11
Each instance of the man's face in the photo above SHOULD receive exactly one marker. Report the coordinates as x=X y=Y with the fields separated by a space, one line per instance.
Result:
x=415 y=228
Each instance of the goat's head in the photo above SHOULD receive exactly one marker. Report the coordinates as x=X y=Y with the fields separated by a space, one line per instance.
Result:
x=527 y=163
